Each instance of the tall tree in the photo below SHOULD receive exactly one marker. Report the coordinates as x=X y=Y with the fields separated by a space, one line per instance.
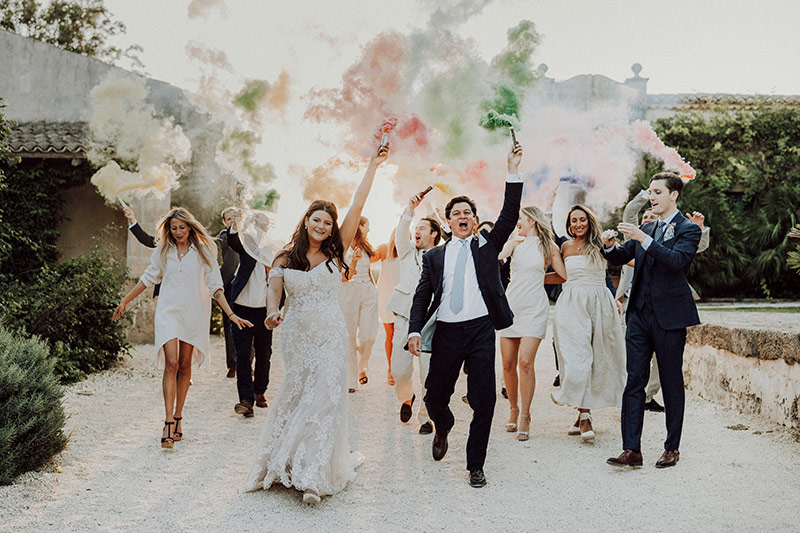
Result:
x=80 y=26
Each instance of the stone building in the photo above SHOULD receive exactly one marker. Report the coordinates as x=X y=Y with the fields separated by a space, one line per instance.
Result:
x=46 y=91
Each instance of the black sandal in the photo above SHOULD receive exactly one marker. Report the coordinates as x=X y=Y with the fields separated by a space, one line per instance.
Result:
x=177 y=435
x=363 y=380
x=168 y=441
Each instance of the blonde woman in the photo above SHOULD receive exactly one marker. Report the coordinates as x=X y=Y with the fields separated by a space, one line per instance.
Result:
x=532 y=252
x=586 y=326
x=185 y=264
x=359 y=300
x=390 y=276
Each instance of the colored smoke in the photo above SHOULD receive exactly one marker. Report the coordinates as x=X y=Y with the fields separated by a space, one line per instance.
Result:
x=140 y=150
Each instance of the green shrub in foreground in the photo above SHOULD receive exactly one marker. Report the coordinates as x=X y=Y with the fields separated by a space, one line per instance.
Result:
x=31 y=413
x=69 y=305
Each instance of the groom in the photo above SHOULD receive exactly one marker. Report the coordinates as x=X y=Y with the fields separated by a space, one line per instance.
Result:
x=461 y=293
x=660 y=309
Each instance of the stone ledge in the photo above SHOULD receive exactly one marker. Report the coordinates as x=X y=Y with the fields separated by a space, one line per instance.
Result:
x=761 y=344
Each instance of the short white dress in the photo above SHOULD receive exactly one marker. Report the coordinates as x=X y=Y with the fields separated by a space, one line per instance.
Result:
x=183 y=310
x=526 y=295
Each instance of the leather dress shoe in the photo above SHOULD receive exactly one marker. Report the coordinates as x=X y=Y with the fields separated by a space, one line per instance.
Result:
x=654 y=406
x=426 y=428
x=244 y=408
x=668 y=458
x=477 y=479
x=626 y=458
x=557 y=381
x=439 y=446
x=231 y=373
x=261 y=401
x=405 y=410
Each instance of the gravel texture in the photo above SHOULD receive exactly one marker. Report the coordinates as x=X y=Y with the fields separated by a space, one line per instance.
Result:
x=737 y=472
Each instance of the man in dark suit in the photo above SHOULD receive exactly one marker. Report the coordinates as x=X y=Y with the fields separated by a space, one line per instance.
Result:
x=230 y=262
x=461 y=298
x=144 y=238
x=248 y=298
x=660 y=309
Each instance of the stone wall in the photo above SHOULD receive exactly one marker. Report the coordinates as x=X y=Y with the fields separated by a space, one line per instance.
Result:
x=753 y=370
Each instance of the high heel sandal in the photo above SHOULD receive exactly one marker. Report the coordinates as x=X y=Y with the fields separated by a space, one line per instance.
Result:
x=524 y=435
x=311 y=497
x=168 y=441
x=177 y=435
x=587 y=436
x=512 y=426
x=576 y=427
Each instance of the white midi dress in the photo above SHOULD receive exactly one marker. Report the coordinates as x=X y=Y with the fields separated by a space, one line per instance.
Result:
x=588 y=333
x=183 y=310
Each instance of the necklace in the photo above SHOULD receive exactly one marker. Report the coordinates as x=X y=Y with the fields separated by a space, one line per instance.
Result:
x=181 y=255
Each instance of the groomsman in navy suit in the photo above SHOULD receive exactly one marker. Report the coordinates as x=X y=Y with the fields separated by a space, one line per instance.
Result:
x=660 y=309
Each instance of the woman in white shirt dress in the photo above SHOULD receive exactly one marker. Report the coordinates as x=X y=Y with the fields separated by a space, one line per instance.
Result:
x=184 y=262
x=532 y=252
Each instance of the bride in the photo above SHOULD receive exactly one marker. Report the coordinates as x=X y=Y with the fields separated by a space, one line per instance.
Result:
x=304 y=442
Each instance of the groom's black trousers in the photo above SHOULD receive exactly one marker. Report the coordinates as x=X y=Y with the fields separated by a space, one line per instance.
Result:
x=453 y=344
x=644 y=336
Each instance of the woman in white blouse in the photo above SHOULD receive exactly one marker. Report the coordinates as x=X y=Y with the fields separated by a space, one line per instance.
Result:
x=184 y=262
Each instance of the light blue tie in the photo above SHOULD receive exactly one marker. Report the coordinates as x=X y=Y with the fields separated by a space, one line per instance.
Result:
x=457 y=294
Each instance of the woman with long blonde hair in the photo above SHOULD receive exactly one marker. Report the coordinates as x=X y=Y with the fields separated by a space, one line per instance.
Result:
x=390 y=276
x=185 y=264
x=532 y=251
x=359 y=300
x=586 y=327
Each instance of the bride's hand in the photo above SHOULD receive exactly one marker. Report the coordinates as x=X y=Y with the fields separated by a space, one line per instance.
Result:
x=273 y=320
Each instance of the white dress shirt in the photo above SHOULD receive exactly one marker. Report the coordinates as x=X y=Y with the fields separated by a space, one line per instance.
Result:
x=474 y=306
x=254 y=293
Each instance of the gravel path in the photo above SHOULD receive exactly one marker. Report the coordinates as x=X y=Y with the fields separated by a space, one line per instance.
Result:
x=736 y=472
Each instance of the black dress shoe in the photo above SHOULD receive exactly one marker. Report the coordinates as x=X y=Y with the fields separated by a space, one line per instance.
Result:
x=504 y=392
x=653 y=405
x=405 y=410
x=439 y=446
x=231 y=373
x=426 y=428
x=557 y=381
x=626 y=458
x=477 y=479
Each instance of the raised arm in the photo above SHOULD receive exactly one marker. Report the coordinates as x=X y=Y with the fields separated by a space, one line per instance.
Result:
x=349 y=226
x=509 y=214
x=631 y=212
x=402 y=236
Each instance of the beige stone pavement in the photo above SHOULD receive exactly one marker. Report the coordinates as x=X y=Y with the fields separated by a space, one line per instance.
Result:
x=736 y=472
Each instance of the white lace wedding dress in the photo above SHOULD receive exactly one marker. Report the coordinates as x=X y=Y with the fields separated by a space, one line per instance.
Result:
x=304 y=443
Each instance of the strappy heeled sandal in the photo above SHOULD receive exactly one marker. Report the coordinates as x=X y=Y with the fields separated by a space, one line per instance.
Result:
x=177 y=435
x=575 y=429
x=363 y=379
x=587 y=436
x=525 y=435
x=512 y=426
x=168 y=441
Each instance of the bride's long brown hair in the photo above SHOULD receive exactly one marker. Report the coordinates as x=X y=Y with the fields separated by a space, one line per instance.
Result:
x=332 y=246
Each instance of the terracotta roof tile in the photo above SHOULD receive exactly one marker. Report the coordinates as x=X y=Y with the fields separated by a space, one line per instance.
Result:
x=68 y=138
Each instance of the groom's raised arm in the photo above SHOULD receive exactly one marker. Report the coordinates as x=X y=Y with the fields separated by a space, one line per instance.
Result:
x=509 y=214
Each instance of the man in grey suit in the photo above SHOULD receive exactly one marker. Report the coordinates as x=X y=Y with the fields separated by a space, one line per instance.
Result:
x=427 y=234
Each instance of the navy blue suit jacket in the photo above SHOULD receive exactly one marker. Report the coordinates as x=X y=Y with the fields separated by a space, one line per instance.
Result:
x=662 y=270
x=487 y=269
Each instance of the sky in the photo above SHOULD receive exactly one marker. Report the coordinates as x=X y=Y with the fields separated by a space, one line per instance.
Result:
x=683 y=46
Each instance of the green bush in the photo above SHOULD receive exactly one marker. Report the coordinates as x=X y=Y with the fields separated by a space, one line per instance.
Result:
x=69 y=305
x=31 y=414
x=748 y=187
